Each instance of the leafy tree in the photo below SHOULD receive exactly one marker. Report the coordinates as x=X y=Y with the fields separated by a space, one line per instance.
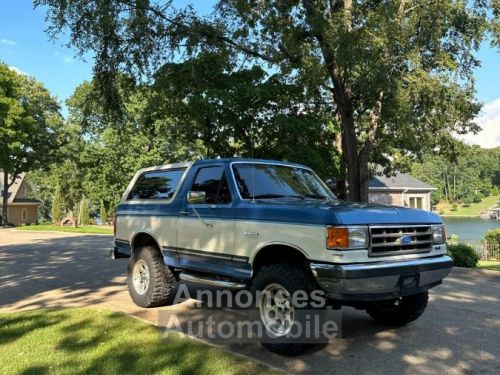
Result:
x=397 y=76
x=57 y=210
x=103 y=213
x=84 y=212
x=245 y=112
x=474 y=172
x=30 y=124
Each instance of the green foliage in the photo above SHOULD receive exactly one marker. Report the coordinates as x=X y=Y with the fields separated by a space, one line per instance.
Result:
x=495 y=191
x=492 y=237
x=467 y=201
x=463 y=256
x=475 y=169
x=103 y=213
x=49 y=227
x=57 y=209
x=477 y=197
x=454 y=207
x=84 y=214
x=30 y=125
x=453 y=239
x=396 y=81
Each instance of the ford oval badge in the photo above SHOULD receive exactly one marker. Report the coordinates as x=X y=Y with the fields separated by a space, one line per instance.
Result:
x=405 y=240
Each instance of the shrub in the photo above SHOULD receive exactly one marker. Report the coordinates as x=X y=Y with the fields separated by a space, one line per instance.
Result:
x=84 y=212
x=57 y=210
x=454 y=207
x=104 y=213
x=492 y=237
x=467 y=201
x=453 y=239
x=478 y=197
x=463 y=256
x=495 y=191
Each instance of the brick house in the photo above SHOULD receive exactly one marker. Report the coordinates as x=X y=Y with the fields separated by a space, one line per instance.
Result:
x=400 y=190
x=22 y=208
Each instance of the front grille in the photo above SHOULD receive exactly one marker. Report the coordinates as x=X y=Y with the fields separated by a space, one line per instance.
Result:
x=392 y=240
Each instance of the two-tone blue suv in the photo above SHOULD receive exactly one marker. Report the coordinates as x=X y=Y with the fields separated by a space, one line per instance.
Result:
x=262 y=225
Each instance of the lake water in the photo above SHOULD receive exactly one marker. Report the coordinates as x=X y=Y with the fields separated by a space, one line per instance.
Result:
x=469 y=228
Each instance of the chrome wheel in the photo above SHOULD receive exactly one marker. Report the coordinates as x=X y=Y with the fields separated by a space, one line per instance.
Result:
x=140 y=277
x=276 y=309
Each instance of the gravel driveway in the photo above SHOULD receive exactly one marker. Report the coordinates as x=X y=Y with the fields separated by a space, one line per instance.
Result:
x=458 y=334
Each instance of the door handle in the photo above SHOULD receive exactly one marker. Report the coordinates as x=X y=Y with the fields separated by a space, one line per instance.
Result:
x=184 y=212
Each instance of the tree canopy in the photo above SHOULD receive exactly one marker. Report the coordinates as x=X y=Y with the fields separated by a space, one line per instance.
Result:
x=30 y=127
x=396 y=76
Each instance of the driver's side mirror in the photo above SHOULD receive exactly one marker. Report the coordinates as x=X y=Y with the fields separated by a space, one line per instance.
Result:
x=196 y=197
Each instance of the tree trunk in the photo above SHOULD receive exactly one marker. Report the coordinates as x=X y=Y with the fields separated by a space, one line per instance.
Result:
x=5 y=198
x=340 y=188
x=351 y=160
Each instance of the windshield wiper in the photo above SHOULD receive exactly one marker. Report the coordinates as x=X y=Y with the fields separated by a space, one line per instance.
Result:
x=316 y=196
x=270 y=196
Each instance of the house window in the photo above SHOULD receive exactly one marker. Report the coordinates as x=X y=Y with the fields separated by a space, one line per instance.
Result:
x=24 y=214
x=25 y=191
x=416 y=202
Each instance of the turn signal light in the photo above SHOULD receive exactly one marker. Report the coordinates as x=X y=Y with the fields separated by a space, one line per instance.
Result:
x=337 y=237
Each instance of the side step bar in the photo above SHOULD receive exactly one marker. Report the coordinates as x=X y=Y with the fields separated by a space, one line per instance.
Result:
x=204 y=280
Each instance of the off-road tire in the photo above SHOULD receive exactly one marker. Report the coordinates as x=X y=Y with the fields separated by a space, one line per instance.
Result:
x=161 y=278
x=292 y=277
x=409 y=309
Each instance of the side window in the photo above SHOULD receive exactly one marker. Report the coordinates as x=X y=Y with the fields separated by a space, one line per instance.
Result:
x=156 y=185
x=213 y=181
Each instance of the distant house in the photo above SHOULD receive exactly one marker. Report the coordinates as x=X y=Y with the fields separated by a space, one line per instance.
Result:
x=400 y=190
x=22 y=208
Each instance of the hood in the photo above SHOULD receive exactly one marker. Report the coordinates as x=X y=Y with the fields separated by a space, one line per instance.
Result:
x=367 y=213
x=336 y=212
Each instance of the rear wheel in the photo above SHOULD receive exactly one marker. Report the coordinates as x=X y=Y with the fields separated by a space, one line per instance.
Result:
x=399 y=311
x=150 y=281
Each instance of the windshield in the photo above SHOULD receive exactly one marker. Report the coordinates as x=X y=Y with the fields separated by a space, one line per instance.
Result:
x=261 y=181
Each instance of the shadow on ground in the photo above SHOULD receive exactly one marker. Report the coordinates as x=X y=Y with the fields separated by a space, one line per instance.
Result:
x=74 y=270
x=458 y=334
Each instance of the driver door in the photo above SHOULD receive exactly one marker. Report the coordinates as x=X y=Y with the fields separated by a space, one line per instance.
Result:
x=205 y=230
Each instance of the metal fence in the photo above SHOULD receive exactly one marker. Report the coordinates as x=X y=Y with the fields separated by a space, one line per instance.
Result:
x=485 y=250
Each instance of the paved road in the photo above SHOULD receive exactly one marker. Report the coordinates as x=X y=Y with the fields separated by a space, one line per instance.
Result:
x=458 y=334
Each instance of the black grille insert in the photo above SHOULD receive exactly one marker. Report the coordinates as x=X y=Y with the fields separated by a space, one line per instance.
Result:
x=386 y=240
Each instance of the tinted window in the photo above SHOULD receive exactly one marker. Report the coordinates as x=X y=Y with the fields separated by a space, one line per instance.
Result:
x=213 y=181
x=267 y=181
x=156 y=185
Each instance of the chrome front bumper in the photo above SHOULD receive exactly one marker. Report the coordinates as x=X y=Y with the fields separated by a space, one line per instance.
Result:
x=380 y=280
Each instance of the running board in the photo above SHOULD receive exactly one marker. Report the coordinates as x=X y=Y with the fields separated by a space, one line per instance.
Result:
x=190 y=278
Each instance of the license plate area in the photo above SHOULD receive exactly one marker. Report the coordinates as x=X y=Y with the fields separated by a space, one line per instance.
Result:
x=409 y=282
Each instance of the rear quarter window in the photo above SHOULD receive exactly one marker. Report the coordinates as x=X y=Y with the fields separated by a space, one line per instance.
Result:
x=156 y=185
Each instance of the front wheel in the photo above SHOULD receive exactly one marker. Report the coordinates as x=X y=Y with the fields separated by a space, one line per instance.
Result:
x=275 y=286
x=150 y=281
x=399 y=311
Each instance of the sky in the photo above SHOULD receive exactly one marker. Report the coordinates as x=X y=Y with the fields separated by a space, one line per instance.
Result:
x=25 y=46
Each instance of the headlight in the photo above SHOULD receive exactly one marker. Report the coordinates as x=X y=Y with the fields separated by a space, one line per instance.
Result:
x=352 y=237
x=438 y=234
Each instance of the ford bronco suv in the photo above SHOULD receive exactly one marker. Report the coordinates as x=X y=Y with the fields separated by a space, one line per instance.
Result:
x=266 y=225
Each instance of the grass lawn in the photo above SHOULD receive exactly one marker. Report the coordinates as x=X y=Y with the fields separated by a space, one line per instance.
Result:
x=87 y=341
x=97 y=229
x=473 y=210
x=489 y=265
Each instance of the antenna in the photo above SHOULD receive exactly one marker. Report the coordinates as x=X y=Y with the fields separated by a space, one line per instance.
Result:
x=252 y=165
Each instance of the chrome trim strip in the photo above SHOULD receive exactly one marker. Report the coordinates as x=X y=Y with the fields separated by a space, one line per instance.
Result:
x=390 y=244
x=190 y=278
x=384 y=265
